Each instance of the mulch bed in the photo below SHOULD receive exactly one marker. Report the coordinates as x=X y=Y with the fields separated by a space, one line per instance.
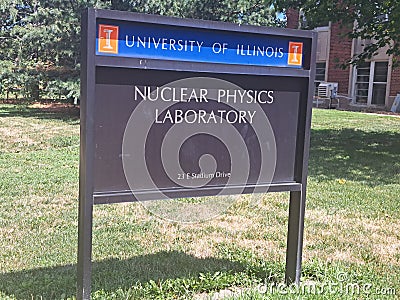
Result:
x=56 y=107
x=50 y=107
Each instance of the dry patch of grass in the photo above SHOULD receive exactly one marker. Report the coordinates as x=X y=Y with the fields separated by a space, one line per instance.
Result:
x=27 y=128
x=15 y=135
x=354 y=239
x=23 y=134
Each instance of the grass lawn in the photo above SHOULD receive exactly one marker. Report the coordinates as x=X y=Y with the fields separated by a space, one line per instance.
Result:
x=352 y=227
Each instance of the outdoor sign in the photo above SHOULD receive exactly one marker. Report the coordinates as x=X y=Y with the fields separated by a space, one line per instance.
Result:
x=174 y=108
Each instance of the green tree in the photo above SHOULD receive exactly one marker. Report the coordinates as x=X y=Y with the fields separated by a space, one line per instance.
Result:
x=375 y=20
x=39 y=50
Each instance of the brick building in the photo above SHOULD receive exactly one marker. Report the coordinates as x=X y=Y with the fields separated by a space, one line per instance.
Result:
x=372 y=84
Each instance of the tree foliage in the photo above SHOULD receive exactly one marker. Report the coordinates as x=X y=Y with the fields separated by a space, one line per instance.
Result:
x=40 y=39
x=374 y=20
x=255 y=12
x=39 y=51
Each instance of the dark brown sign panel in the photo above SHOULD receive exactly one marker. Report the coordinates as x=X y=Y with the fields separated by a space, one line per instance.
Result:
x=120 y=93
x=181 y=108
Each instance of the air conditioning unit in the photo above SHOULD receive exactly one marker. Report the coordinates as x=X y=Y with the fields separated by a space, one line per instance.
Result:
x=328 y=90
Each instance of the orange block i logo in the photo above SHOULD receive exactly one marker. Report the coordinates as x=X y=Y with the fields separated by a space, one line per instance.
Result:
x=108 y=39
x=295 y=53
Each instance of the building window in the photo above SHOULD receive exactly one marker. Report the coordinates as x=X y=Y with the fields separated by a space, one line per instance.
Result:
x=362 y=83
x=379 y=84
x=371 y=82
x=319 y=75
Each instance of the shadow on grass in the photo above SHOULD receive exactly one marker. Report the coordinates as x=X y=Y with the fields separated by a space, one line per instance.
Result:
x=109 y=275
x=64 y=113
x=351 y=154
